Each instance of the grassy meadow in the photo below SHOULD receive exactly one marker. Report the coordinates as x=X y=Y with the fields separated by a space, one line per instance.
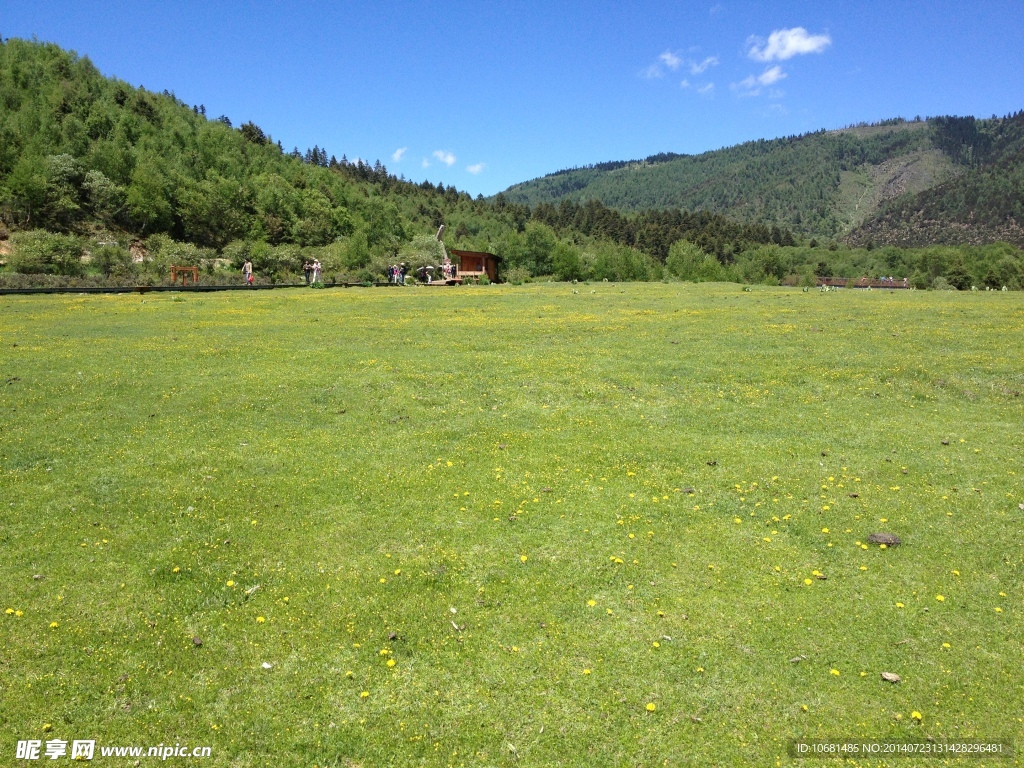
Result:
x=591 y=525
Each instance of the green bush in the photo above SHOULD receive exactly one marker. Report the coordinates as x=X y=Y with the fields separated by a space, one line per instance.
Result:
x=517 y=275
x=46 y=253
x=112 y=259
x=688 y=262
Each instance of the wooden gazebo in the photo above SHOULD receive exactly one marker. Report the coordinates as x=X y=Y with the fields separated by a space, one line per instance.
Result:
x=472 y=265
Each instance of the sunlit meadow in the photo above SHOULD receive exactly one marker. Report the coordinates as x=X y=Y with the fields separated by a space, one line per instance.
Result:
x=541 y=525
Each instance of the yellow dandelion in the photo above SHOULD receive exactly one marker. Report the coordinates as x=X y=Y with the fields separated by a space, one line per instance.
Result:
x=19 y=614
x=364 y=694
x=824 y=530
x=899 y=605
x=383 y=580
x=700 y=669
x=956 y=573
x=591 y=603
x=946 y=645
x=808 y=582
x=737 y=520
x=656 y=644
x=586 y=671
x=608 y=611
x=350 y=674
x=522 y=558
x=391 y=662
x=651 y=707
x=917 y=715
x=998 y=609
x=834 y=672
x=230 y=583
x=176 y=569
x=940 y=598
x=661 y=614
x=54 y=625
x=260 y=619
x=803 y=707
x=632 y=536
x=9 y=611
x=863 y=567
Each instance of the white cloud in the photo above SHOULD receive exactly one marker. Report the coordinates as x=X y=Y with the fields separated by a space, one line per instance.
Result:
x=786 y=43
x=684 y=84
x=670 y=60
x=476 y=168
x=697 y=68
x=652 y=72
x=771 y=75
x=706 y=89
x=445 y=157
x=425 y=163
x=398 y=154
x=751 y=86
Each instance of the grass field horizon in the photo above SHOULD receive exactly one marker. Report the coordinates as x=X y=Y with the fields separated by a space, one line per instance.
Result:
x=608 y=524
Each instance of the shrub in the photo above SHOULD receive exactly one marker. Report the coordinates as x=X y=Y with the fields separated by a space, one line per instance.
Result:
x=516 y=275
x=112 y=260
x=40 y=252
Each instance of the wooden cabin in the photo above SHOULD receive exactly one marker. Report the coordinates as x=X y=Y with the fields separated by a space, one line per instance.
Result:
x=472 y=265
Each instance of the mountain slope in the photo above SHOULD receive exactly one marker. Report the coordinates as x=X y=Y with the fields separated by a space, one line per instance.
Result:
x=823 y=184
x=985 y=204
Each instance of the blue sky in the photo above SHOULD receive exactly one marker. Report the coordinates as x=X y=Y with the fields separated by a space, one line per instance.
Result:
x=483 y=95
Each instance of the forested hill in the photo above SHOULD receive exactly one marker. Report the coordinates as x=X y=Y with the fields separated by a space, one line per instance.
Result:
x=108 y=167
x=828 y=183
x=982 y=205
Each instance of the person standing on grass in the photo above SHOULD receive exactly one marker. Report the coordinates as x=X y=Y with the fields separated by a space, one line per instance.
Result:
x=316 y=271
x=402 y=269
x=247 y=271
x=307 y=270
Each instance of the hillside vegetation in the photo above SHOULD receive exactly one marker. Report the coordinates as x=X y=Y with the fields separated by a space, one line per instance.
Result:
x=91 y=166
x=946 y=171
x=102 y=182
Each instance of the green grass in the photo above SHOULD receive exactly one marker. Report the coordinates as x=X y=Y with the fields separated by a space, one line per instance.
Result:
x=465 y=470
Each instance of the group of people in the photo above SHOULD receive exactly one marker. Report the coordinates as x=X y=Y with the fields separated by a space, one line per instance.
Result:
x=396 y=273
x=312 y=272
x=448 y=271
